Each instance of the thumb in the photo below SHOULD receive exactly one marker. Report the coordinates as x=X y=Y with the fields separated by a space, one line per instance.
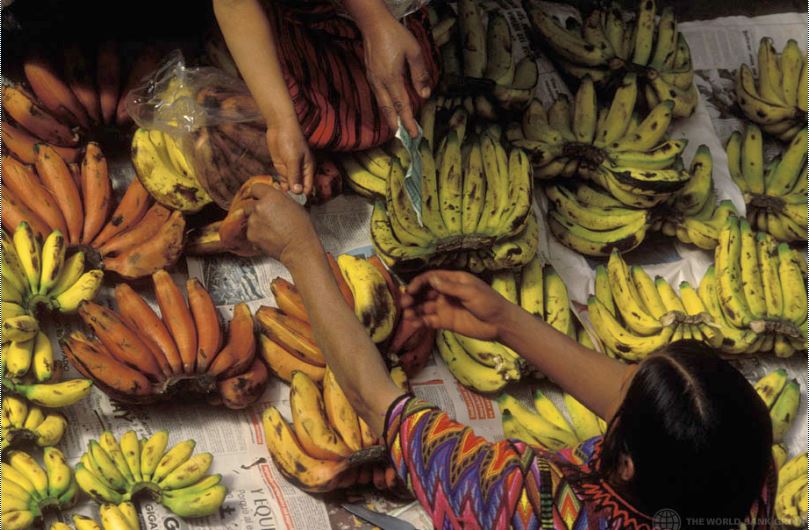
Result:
x=420 y=77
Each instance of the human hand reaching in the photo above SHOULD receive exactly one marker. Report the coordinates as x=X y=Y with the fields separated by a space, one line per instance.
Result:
x=457 y=301
x=291 y=156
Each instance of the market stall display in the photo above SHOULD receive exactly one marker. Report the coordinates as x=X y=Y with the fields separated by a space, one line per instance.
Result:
x=791 y=499
x=123 y=516
x=24 y=423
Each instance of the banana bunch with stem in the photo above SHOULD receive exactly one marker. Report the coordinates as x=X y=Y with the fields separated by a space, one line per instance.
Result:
x=476 y=206
x=115 y=471
x=605 y=47
x=628 y=155
x=775 y=192
x=139 y=357
x=776 y=99
x=25 y=423
x=755 y=293
x=791 y=492
x=31 y=488
x=327 y=446
x=635 y=315
x=488 y=366
x=693 y=214
x=122 y=516
x=782 y=397
x=546 y=426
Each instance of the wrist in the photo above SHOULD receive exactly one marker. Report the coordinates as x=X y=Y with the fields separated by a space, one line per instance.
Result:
x=299 y=256
x=508 y=320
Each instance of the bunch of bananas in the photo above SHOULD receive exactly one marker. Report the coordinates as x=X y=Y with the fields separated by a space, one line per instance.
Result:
x=487 y=366
x=605 y=47
x=628 y=156
x=139 y=357
x=782 y=398
x=328 y=446
x=546 y=426
x=29 y=489
x=50 y=395
x=476 y=207
x=23 y=423
x=123 y=516
x=634 y=315
x=136 y=239
x=37 y=275
x=165 y=172
x=755 y=293
x=477 y=60
x=287 y=343
x=775 y=193
x=777 y=100
x=791 y=492
x=113 y=471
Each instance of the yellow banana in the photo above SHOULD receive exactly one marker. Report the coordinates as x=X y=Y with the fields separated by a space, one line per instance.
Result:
x=309 y=419
x=585 y=422
x=153 y=450
x=28 y=251
x=84 y=289
x=71 y=271
x=373 y=303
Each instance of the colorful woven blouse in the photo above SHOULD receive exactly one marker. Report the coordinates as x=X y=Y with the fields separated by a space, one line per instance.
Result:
x=464 y=481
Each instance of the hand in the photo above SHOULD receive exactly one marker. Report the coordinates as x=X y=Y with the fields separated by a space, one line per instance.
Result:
x=279 y=226
x=388 y=47
x=457 y=301
x=291 y=155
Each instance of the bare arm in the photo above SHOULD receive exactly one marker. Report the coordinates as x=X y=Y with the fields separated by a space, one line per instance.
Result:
x=282 y=229
x=249 y=37
x=461 y=302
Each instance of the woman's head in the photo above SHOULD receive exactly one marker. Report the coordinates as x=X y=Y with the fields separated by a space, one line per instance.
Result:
x=694 y=434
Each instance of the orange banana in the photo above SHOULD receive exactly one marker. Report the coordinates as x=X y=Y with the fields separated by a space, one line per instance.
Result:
x=240 y=349
x=21 y=144
x=108 y=79
x=79 y=80
x=283 y=363
x=147 y=228
x=139 y=315
x=15 y=212
x=130 y=210
x=206 y=320
x=177 y=317
x=244 y=389
x=345 y=290
x=76 y=173
x=97 y=190
x=24 y=183
x=288 y=299
x=54 y=93
x=205 y=240
x=122 y=342
x=145 y=63
x=288 y=332
x=36 y=119
x=56 y=176
x=154 y=254
x=104 y=369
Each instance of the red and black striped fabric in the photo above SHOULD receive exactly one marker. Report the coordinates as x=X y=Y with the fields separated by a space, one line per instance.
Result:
x=321 y=55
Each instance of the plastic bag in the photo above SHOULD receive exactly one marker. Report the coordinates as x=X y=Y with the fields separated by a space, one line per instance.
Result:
x=214 y=119
x=402 y=8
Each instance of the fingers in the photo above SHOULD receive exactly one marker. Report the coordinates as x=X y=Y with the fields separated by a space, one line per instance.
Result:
x=402 y=105
x=385 y=103
x=445 y=282
x=308 y=172
x=420 y=77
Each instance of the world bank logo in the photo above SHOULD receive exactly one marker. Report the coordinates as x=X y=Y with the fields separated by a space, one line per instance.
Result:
x=666 y=519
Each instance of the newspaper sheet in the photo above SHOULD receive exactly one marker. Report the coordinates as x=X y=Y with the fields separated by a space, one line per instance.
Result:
x=259 y=497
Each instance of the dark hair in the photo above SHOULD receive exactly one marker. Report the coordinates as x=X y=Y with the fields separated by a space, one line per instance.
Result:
x=697 y=432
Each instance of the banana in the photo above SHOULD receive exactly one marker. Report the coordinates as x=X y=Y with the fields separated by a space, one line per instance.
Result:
x=635 y=316
x=727 y=264
x=17 y=410
x=42 y=358
x=187 y=473
x=602 y=288
x=473 y=34
x=565 y=43
x=51 y=430
x=474 y=190
x=374 y=304
x=94 y=487
x=84 y=289
x=376 y=161
x=493 y=355
x=751 y=273
x=500 y=66
x=751 y=161
x=769 y=82
x=666 y=40
x=793 y=469
x=309 y=419
x=514 y=430
x=596 y=243
x=650 y=132
x=151 y=453
x=52 y=395
x=58 y=472
x=53 y=258
x=362 y=181
x=794 y=293
x=18 y=357
x=789 y=168
x=450 y=182
x=469 y=372
x=107 y=470
x=620 y=113
x=754 y=106
x=28 y=251
x=590 y=216
x=785 y=408
x=770 y=386
x=340 y=413
x=71 y=271
x=549 y=411
x=627 y=345
x=735 y=340
x=17 y=520
x=174 y=457
x=403 y=219
x=559 y=117
x=585 y=112
x=548 y=434
x=20 y=328
x=648 y=293
x=585 y=422
x=31 y=470
x=200 y=504
x=112 y=518
x=526 y=74
x=81 y=522
x=557 y=304
x=34 y=417
x=531 y=292
x=130 y=447
x=12 y=269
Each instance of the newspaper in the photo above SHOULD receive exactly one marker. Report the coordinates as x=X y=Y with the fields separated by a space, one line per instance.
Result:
x=259 y=496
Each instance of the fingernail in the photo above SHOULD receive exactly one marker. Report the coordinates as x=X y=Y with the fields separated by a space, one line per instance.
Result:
x=425 y=92
x=297 y=188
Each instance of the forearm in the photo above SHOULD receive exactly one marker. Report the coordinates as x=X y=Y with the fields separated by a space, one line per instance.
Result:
x=349 y=352
x=249 y=37
x=591 y=377
x=367 y=13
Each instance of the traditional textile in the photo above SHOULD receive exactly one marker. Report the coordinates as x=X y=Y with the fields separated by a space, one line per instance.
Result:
x=464 y=481
x=321 y=56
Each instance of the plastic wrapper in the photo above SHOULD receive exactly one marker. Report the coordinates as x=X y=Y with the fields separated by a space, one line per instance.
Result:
x=212 y=116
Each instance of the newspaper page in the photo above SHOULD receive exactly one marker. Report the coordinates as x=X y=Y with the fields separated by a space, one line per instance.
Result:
x=259 y=496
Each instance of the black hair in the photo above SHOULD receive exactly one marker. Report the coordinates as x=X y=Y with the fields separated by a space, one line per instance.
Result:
x=698 y=434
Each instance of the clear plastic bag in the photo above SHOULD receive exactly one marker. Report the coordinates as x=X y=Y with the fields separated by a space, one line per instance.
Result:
x=214 y=119
x=402 y=8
